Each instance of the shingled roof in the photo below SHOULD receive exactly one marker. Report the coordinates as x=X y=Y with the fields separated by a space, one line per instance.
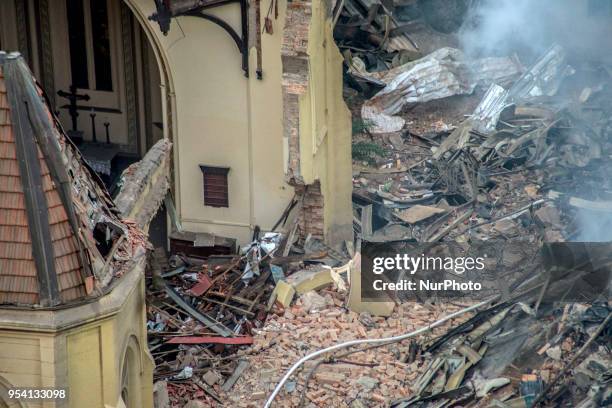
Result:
x=49 y=204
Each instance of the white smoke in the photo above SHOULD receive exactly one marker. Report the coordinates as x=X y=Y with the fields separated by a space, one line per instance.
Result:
x=501 y=27
x=595 y=226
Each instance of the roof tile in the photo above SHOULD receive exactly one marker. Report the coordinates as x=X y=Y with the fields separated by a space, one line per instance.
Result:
x=13 y=201
x=19 y=279
x=76 y=292
x=65 y=246
x=13 y=217
x=10 y=184
x=17 y=267
x=67 y=263
x=7 y=149
x=57 y=214
x=6 y=132
x=5 y=117
x=18 y=298
x=23 y=284
x=14 y=233
x=15 y=250
x=9 y=168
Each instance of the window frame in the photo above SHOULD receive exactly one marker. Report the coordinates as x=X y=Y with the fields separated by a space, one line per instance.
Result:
x=215 y=171
x=104 y=98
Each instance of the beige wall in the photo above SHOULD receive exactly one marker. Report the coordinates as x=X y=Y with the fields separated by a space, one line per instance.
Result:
x=81 y=349
x=224 y=119
x=221 y=118
x=325 y=127
x=215 y=116
x=269 y=145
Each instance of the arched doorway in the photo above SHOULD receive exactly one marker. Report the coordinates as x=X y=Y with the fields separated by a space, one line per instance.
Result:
x=104 y=75
x=100 y=71
x=130 y=389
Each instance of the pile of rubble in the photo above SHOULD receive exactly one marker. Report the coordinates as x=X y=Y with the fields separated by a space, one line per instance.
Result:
x=201 y=310
x=370 y=377
x=530 y=161
x=506 y=354
x=473 y=151
x=527 y=165
x=509 y=355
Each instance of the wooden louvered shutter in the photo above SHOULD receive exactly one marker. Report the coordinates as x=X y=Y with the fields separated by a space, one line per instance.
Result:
x=216 y=192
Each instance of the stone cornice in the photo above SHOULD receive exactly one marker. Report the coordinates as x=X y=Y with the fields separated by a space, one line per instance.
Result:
x=52 y=321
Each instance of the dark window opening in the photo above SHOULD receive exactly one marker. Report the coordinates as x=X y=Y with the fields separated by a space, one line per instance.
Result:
x=76 y=40
x=102 y=235
x=101 y=45
x=216 y=192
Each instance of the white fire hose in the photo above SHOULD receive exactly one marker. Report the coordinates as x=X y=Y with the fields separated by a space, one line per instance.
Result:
x=369 y=341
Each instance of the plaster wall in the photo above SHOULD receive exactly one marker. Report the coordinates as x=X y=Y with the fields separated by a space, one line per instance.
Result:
x=223 y=119
x=81 y=349
x=215 y=116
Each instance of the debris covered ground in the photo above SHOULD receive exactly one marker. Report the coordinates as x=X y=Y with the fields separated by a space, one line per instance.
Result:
x=447 y=148
x=373 y=377
x=513 y=355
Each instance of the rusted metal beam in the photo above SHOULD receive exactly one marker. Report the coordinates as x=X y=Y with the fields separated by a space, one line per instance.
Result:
x=210 y=340
x=208 y=321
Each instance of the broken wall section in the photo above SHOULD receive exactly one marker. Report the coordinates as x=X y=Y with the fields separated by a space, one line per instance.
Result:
x=317 y=123
x=311 y=218
x=145 y=184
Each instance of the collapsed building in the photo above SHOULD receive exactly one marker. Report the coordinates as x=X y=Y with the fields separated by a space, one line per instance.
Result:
x=249 y=98
x=258 y=304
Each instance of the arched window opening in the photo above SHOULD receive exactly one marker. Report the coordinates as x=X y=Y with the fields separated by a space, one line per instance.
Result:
x=130 y=378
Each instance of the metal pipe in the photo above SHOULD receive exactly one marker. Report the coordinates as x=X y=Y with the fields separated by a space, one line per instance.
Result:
x=370 y=341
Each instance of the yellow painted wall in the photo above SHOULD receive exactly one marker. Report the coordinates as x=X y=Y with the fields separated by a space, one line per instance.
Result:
x=85 y=367
x=325 y=127
x=272 y=194
x=215 y=116
x=218 y=117
x=86 y=358
x=223 y=119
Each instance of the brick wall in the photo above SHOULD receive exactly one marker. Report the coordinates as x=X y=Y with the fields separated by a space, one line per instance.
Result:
x=295 y=80
x=295 y=83
x=311 y=211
